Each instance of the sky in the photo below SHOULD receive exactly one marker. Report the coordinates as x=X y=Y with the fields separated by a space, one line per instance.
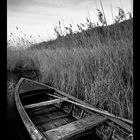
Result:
x=39 y=17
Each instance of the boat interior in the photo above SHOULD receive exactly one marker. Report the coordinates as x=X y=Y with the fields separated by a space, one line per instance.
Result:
x=58 y=117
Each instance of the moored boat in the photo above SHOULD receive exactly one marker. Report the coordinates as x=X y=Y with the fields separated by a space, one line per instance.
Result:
x=50 y=114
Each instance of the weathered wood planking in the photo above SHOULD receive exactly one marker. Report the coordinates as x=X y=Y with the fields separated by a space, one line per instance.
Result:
x=46 y=120
x=74 y=128
x=122 y=124
x=48 y=117
x=43 y=86
x=44 y=103
x=106 y=114
x=52 y=124
x=43 y=119
x=32 y=130
x=43 y=110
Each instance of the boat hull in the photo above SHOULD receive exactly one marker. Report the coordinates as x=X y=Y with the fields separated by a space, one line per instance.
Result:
x=50 y=114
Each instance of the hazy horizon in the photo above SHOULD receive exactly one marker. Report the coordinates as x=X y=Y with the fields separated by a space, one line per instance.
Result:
x=38 y=18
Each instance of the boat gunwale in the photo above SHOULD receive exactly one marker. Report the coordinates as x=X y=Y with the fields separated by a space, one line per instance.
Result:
x=33 y=131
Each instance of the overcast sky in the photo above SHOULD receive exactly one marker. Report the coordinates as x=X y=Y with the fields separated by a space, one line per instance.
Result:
x=39 y=17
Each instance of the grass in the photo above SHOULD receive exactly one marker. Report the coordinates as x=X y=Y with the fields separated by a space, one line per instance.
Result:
x=94 y=65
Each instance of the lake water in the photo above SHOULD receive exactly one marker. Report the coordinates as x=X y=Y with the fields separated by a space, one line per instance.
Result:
x=16 y=130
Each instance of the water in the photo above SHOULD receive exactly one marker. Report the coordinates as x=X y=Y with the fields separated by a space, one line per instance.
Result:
x=16 y=129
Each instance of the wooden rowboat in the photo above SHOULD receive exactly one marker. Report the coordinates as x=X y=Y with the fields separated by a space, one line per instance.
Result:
x=50 y=114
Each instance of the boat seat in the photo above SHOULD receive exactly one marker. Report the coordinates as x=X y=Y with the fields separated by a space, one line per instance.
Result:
x=40 y=104
x=74 y=128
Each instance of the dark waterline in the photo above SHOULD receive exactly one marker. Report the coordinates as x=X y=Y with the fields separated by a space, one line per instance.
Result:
x=16 y=130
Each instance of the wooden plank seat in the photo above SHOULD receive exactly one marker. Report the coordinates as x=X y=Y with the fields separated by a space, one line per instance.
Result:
x=44 y=103
x=74 y=128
